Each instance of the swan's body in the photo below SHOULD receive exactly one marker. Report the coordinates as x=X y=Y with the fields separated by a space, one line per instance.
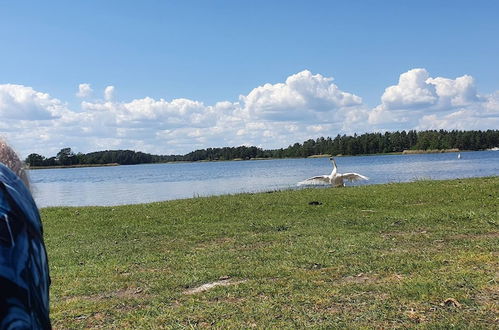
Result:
x=458 y=156
x=335 y=179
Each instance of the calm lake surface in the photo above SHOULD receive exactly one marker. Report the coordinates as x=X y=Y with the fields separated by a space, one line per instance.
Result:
x=133 y=184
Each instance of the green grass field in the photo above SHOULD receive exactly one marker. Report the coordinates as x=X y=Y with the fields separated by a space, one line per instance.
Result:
x=379 y=256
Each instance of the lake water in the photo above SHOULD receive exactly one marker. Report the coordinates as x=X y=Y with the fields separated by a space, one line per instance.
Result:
x=133 y=184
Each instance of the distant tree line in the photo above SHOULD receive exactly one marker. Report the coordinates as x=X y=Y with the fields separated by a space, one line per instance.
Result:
x=368 y=143
x=66 y=157
x=375 y=143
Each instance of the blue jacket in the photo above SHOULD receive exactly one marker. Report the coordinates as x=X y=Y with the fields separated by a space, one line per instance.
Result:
x=24 y=273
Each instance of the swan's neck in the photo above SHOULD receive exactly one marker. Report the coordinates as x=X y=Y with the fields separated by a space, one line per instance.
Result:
x=333 y=173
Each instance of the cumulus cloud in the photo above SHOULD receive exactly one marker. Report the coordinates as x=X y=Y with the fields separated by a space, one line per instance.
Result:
x=480 y=114
x=157 y=113
x=453 y=93
x=460 y=120
x=24 y=103
x=302 y=97
x=303 y=106
x=412 y=91
x=418 y=96
x=84 y=90
x=109 y=93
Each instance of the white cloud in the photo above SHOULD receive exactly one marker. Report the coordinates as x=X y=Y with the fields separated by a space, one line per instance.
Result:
x=108 y=93
x=418 y=96
x=304 y=106
x=303 y=96
x=454 y=93
x=412 y=91
x=460 y=120
x=84 y=90
x=24 y=103
x=154 y=113
x=481 y=114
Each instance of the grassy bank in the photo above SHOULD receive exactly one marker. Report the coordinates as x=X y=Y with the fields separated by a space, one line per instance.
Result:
x=371 y=256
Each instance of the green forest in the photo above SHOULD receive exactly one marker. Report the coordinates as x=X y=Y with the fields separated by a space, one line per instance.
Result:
x=365 y=144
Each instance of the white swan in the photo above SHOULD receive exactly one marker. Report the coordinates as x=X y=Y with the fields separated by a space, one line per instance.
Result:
x=335 y=179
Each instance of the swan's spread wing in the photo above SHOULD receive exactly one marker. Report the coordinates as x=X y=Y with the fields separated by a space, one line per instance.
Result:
x=354 y=176
x=316 y=180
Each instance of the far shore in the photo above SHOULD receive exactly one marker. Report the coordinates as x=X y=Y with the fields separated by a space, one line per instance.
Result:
x=405 y=152
x=70 y=166
x=432 y=151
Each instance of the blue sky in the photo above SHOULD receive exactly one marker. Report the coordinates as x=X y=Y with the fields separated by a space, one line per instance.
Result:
x=204 y=52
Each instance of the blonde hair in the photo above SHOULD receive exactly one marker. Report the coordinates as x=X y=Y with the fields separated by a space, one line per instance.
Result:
x=10 y=159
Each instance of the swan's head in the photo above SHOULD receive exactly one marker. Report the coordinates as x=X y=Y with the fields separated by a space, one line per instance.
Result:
x=332 y=161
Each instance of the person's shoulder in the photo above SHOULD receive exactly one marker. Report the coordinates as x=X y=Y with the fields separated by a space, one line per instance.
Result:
x=7 y=179
x=6 y=174
x=15 y=195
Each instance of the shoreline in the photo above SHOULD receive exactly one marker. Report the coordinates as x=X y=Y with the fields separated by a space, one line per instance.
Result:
x=429 y=151
x=405 y=152
x=70 y=166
